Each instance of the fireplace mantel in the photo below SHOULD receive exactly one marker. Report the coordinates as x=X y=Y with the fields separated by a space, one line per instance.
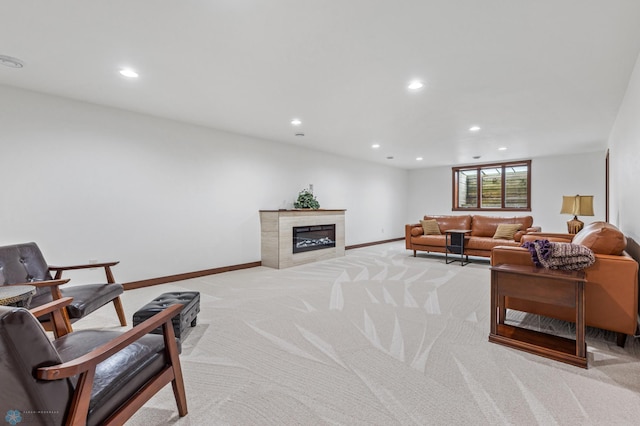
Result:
x=277 y=235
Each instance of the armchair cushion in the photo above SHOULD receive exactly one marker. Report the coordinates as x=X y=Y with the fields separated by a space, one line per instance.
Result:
x=86 y=298
x=119 y=376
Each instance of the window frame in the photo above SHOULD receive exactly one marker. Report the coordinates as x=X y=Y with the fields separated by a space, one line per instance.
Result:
x=478 y=168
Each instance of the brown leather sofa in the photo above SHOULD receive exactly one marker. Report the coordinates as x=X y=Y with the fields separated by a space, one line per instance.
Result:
x=478 y=242
x=611 y=291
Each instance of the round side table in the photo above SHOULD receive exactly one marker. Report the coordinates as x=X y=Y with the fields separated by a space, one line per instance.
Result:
x=16 y=295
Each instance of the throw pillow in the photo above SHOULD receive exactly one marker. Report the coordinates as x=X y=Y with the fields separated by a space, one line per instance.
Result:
x=430 y=227
x=506 y=231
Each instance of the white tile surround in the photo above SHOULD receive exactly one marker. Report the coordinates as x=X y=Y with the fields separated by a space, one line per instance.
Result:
x=277 y=236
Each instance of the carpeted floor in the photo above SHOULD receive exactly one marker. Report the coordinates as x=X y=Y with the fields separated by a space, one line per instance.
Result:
x=377 y=337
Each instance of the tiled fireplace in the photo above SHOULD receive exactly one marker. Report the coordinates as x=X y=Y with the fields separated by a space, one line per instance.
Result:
x=295 y=237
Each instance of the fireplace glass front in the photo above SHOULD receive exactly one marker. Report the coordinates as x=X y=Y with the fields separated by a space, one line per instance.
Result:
x=307 y=238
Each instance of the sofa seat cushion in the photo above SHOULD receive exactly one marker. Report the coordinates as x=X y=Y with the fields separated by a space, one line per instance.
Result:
x=602 y=238
x=487 y=243
x=86 y=298
x=428 y=240
x=486 y=226
x=119 y=376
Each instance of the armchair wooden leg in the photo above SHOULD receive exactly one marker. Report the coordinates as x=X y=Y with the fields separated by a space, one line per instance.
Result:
x=621 y=339
x=120 y=311
x=177 y=383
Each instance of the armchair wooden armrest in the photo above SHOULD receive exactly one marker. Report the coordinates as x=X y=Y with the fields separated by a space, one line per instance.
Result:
x=55 y=326
x=46 y=283
x=106 y=265
x=54 y=308
x=50 y=307
x=54 y=284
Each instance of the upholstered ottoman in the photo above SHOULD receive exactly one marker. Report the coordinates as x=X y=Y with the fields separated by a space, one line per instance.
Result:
x=183 y=321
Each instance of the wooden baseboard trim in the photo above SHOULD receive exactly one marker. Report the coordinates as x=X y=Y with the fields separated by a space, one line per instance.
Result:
x=179 y=277
x=374 y=243
x=188 y=275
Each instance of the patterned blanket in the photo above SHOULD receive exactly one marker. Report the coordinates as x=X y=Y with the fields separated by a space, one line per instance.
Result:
x=559 y=255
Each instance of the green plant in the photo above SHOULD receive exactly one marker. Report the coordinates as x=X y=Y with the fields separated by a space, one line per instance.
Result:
x=306 y=200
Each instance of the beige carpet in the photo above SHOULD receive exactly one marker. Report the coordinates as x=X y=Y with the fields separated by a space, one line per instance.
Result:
x=376 y=338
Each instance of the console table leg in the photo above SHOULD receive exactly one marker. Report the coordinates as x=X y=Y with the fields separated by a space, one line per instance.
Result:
x=580 y=325
x=494 y=304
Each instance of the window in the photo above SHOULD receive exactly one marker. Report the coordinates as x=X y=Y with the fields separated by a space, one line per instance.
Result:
x=500 y=186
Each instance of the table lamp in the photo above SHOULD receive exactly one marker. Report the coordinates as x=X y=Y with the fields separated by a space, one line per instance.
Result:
x=577 y=205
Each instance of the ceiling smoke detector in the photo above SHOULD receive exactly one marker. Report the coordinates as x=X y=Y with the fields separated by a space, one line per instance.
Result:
x=11 y=62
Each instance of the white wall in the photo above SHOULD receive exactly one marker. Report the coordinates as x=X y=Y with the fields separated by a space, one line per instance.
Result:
x=163 y=197
x=551 y=178
x=624 y=153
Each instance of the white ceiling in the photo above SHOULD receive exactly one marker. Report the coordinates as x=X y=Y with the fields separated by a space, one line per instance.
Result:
x=541 y=77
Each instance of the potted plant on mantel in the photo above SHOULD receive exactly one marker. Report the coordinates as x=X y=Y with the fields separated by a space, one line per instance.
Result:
x=306 y=200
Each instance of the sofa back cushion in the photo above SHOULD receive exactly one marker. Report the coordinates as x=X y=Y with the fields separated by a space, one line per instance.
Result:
x=602 y=238
x=486 y=226
x=451 y=222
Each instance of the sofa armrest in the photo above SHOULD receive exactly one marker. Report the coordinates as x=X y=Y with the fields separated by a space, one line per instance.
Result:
x=557 y=237
x=518 y=235
x=407 y=233
x=510 y=255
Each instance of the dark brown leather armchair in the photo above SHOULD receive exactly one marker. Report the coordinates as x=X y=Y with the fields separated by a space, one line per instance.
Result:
x=88 y=376
x=25 y=264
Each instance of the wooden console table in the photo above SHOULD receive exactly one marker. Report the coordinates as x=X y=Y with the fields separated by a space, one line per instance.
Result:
x=555 y=287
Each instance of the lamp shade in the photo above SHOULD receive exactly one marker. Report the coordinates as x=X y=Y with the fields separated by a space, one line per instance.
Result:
x=577 y=205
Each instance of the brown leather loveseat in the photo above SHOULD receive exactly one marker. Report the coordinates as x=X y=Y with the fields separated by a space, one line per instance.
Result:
x=478 y=242
x=611 y=291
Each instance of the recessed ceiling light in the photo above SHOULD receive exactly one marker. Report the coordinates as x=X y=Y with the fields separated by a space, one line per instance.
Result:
x=502 y=148
x=128 y=72
x=299 y=134
x=474 y=128
x=296 y=122
x=390 y=157
x=11 y=62
x=476 y=157
x=375 y=146
x=418 y=158
x=415 y=85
